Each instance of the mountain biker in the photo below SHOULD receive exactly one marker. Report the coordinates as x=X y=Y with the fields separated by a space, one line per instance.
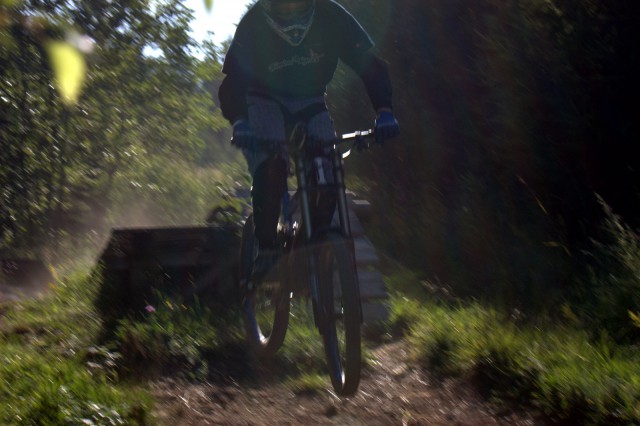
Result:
x=283 y=55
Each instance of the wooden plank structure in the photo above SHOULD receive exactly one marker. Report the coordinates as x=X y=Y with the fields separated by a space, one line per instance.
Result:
x=186 y=262
x=202 y=262
x=373 y=293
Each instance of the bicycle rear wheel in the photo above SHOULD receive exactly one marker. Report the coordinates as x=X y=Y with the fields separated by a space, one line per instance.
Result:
x=265 y=304
x=340 y=312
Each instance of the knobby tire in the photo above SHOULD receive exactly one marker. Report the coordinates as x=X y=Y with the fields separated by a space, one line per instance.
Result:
x=265 y=304
x=341 y=312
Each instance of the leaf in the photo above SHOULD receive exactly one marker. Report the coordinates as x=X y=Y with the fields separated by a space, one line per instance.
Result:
x=69 y=69
x=208 y=4
x=635 y=318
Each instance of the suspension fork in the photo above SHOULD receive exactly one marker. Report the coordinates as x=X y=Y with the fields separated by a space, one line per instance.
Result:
x=303 y=194
x=343 y=209
x=343 y=213
x=307 y=228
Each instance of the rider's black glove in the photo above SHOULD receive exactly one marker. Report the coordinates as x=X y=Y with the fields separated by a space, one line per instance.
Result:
x=386 y=127
x=243 y=135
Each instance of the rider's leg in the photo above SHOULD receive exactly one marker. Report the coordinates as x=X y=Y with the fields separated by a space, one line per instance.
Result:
x=269 y=175
x=269 y=183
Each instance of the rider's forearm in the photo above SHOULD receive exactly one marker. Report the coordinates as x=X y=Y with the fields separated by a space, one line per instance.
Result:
x=375 y=76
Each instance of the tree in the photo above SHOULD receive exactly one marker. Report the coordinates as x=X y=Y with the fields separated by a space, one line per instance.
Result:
x=59 y=161
x=513 y=116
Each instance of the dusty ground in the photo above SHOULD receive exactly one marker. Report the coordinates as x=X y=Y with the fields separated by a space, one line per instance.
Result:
x=391 y=393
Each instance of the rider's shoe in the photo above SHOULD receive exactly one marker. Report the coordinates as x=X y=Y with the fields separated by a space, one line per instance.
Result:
x=264 y=262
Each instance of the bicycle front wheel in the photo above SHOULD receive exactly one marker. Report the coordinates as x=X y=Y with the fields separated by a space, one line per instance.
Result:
x=265 y=302
x=341 y=315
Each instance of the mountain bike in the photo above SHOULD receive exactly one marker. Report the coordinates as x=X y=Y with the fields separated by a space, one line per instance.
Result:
x=315 y=263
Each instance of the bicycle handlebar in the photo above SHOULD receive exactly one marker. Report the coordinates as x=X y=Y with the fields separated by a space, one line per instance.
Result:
x=360 y=139
x=358 y=134
x=298 y=138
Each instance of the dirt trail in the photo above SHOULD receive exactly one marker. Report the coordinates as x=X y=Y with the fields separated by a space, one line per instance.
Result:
x=391 y=393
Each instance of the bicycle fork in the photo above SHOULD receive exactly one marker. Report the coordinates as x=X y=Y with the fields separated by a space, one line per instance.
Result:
x=343 y=210
x=345 y=228
x=307 y=229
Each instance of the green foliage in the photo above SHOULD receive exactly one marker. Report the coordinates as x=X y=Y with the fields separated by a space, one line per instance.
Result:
x=58 y=163
x=404 y=282
x=591 y=387
x=65 y=59
x=558 y=370
x=173 y=338
x=404 y=313
x=614 y=282
x=445 y=340
x=61 y=322
x=36 y=388
x=49 y=374
x=164 y=190
x=302 y=351
x=505 y=139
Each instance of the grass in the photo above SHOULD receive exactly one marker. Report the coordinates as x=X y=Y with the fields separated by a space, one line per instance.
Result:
x=57 y=369
x=53 y=372
x=308 y=384
x=302 y=351
x=48 y=373
x=301 y=359
x=39 y=388
x=174 y=338
x=557 y=370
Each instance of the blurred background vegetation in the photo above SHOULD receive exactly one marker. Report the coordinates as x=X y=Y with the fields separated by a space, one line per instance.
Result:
x=137 y=145
x=513 y=181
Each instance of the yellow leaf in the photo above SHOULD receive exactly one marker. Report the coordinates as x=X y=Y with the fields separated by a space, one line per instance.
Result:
x=208 y=4
x=635 y=318
x=69 y=69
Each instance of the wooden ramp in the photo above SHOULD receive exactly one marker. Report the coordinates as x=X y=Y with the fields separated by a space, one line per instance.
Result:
x=373 y=293
x=201 y=262
x=192 y=262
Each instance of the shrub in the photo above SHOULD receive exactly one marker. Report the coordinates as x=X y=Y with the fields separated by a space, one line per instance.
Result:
x=172 y=337
x=612 y=294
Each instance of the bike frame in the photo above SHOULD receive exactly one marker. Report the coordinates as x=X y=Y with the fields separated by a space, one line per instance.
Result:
x=301 y=169
x=318 y=262
x=298 y=140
